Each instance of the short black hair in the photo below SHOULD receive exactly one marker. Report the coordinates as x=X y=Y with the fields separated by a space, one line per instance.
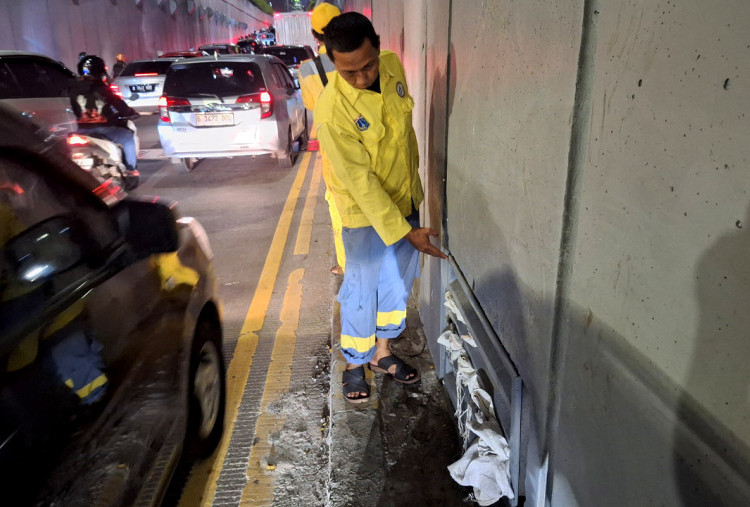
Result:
x=347 y=32
x=318 y=36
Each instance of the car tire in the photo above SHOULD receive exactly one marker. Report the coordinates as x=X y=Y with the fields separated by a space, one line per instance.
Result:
x=289 y=156
x=207 y=392
x=189 y=163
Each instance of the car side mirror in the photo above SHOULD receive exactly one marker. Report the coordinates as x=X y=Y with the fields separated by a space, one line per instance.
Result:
x=148 y=227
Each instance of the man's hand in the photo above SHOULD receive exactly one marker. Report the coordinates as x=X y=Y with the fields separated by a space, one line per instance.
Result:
x=420 y=238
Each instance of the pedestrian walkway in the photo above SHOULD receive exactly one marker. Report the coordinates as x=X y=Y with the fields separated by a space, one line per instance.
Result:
x=290 y=436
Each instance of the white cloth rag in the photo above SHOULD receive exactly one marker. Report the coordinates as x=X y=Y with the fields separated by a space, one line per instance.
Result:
x=485 y=466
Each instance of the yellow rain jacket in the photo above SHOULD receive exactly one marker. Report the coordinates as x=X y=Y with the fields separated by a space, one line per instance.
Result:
x=372 y=147
x=311 y=86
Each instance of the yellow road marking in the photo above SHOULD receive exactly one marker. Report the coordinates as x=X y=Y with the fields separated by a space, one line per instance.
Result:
x=302 y=247
x=260 y=484
x=201 y=486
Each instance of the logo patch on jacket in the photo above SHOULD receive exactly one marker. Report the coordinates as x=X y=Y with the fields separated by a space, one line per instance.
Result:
x=361 y=123
x=400 y=89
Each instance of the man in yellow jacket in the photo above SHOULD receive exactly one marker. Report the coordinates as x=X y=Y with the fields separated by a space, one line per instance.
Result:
x=312 y=74
x=364 y=126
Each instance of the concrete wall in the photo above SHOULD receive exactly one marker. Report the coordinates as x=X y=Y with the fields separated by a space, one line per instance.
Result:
x=596 y=198
x=137 y=28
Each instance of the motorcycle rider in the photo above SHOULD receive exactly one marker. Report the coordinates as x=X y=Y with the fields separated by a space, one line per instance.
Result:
x=99 y=110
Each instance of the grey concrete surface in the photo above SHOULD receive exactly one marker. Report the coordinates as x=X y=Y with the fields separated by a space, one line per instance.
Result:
x=594 y=161
x=394 y=449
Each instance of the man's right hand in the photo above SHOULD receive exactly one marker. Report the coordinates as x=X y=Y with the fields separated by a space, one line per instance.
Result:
x=420 y=238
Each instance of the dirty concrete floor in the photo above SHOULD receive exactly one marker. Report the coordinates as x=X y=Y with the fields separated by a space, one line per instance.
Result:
x=394 y=449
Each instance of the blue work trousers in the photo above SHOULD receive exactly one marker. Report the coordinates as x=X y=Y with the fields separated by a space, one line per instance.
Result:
x=376 y=288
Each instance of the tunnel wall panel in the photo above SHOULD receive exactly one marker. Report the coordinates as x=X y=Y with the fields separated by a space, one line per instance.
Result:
x=62 y=28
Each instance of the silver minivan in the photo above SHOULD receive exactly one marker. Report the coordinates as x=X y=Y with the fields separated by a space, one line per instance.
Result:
x=226 y=106
x=37 y=87
x=140 y=83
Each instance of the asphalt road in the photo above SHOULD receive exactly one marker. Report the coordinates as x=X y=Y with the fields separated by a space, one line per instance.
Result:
x=238 y=200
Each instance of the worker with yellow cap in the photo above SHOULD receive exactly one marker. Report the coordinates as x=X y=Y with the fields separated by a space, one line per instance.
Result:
x=313 y=76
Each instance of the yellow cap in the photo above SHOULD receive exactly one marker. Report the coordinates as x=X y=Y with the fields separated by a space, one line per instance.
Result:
x=322 y=15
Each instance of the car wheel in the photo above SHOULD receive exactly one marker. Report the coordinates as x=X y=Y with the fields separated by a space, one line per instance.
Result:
x=207 y=396
x=290 y=156
x=189 y=163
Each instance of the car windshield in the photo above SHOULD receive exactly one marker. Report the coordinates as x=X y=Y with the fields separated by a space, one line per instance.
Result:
x=133 y=68
x=290 y=56
x=220 y=78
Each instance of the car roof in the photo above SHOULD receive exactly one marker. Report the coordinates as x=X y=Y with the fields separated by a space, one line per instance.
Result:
x=297 y=46
x=168 y=58
x=9 y=53
x=228 y=58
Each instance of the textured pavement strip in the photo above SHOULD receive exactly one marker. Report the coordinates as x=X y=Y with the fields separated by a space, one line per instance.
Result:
x=234 y=473
x=245 y=380
x=252 y=428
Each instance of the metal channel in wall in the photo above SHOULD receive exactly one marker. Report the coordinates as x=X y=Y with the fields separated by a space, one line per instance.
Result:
x=498 y=375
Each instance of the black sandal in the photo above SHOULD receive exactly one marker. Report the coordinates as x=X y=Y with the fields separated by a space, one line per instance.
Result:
x=354 y=382
x=402 y=373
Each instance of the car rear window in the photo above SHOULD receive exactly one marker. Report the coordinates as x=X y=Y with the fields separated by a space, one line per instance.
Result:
x=133 y=68
x=290 y=56
x=221 y=78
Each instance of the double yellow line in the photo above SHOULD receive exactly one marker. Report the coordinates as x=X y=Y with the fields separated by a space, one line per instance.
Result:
x=201 y=487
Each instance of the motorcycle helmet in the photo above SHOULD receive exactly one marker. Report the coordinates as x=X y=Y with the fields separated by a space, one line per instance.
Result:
x=92 y=66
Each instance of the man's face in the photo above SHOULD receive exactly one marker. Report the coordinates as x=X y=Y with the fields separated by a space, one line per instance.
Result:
x=359 y=68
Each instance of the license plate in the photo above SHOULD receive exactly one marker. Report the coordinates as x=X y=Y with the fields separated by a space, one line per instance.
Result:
x=142 y=88
x=213 y=119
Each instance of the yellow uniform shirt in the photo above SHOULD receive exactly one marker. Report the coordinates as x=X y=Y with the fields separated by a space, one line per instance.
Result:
x=372 y=147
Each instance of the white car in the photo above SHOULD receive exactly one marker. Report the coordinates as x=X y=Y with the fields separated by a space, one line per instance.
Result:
x=140 y=83
x=227 y=106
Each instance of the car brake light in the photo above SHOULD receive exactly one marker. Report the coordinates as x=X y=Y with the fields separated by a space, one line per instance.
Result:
x=266 y=105
x=146 y=74
x=116 y=90
x=76 y=140
x=166 y=102
x=265 y=99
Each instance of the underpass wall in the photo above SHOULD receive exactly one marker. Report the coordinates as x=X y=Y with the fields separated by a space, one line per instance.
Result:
x=593 y=188
x=137 y=28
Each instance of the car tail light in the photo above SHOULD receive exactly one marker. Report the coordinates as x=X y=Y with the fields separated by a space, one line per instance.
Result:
x=265 y=100
x=76 y=140
x=116 y=90
x=166 y=102
x=146 y=74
